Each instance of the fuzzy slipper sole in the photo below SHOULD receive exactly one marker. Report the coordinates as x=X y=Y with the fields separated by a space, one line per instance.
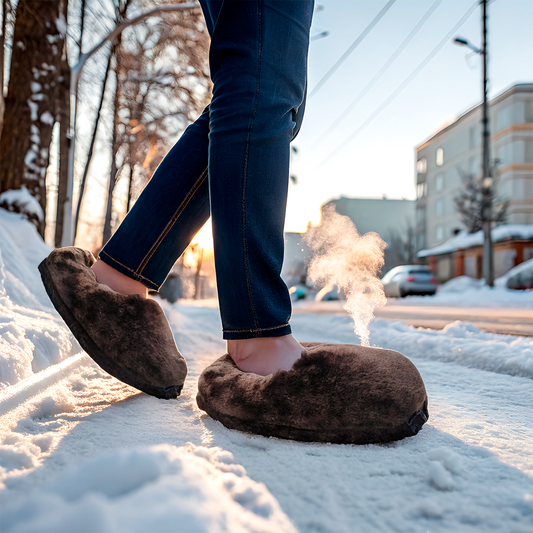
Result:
x=344 y=394
x=92 y=348
x=354 y=435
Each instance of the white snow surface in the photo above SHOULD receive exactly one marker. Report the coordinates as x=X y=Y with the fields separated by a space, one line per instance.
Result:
x=32 y=335
x=89 y=453
x=464 y=291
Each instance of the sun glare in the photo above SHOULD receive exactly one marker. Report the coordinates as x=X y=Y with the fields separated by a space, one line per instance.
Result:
x=204 y=237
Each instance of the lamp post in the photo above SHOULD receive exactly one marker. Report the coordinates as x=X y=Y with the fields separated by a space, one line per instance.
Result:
x=486 y=179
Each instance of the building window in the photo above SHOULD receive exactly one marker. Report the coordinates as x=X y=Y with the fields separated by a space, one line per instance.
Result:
x=440 y=207
x=422 y=165
x=474 y=167
x=439 y=182
x=528 y=156
x=439 y=157
x=421 y=190
x=472 y=137
x=439 y=232
x=421 y=215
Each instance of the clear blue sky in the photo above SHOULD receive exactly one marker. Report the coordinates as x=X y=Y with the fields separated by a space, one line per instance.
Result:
x=380 y=158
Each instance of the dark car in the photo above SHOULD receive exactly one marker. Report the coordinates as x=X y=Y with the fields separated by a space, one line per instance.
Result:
x=409 y=279
x=520 y=278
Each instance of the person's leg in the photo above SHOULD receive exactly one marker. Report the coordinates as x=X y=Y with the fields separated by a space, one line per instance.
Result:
x=150 y=239
x=258 y=61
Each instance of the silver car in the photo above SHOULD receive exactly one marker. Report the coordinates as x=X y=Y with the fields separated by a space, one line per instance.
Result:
x=409 y=279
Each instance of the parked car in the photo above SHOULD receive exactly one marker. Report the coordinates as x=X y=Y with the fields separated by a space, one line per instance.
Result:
x=298 y=291
x=409 y=279
x=520 y=278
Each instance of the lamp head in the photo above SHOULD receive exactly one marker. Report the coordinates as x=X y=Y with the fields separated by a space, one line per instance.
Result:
x=461 y=42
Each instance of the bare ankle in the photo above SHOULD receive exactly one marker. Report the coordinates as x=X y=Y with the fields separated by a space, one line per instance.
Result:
x=115 y=280
x=265 y=355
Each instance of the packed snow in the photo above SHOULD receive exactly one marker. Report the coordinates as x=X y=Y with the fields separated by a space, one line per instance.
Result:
x=82 y=452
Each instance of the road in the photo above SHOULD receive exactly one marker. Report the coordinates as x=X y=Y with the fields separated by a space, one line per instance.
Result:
x=495 y=320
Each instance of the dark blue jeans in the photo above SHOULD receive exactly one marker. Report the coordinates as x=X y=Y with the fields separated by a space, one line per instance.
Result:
x=232 y=164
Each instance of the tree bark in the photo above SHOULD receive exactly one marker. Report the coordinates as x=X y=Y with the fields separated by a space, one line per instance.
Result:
x=91 y=146
x=114 y=168
x=31 y=102
x=63 y=117
x=130 y=186
x=64 y=143
x=2 y=55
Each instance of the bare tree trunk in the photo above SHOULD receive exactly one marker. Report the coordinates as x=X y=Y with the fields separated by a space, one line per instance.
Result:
x=63 y=117
x=64 y=142
x=114 y=168
x=130 y=187
x=197 y=279
x=31 y=100
x=91 y=146
x=2 y=56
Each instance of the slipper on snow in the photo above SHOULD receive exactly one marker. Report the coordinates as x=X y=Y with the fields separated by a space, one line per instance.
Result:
x=128 y=336
x=338 y=393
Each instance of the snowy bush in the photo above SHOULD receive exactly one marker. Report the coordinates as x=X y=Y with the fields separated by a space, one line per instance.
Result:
x=21 y=201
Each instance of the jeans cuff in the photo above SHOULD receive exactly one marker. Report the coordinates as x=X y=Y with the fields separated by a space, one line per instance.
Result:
x=277 y=331
x=123 y=269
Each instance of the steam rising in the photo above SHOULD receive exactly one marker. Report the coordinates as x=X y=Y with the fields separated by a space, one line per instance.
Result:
x=351 y=261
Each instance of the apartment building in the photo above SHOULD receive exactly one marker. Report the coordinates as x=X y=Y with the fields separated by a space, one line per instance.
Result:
x=454 y=153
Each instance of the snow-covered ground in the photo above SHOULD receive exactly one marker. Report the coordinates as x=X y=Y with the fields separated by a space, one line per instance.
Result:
x=80 y=451
x=469 y=292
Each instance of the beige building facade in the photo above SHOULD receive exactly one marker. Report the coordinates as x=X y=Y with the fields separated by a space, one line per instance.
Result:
x=453 y=153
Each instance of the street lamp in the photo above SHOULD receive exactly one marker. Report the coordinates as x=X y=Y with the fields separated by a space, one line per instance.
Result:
x=464 y=42
x=319 y=35
x=486 y=180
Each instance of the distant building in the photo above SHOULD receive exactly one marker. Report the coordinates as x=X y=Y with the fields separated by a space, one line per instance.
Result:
x=455 y=151
x=393 y=220
x=462 y=255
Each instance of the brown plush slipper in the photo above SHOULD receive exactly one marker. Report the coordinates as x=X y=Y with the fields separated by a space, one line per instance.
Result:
x=128 y=336
x=337 y=393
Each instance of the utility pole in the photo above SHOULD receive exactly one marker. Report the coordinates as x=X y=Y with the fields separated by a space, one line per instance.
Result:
x=488 y=263
x=486 y=181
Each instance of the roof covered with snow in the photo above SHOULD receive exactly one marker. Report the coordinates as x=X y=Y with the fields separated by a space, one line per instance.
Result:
x=464 y=240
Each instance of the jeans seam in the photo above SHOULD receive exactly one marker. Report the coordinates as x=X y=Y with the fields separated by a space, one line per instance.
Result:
x=171 y=222
x=245 y=171
x=136 y=275
x=253 y=330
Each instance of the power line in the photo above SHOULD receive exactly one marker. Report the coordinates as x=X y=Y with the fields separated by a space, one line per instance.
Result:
x=404 y=84
x=382 y=71
x=351 y=48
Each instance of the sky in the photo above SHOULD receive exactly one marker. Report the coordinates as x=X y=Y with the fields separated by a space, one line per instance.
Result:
x=370 y=152
x=375 y=157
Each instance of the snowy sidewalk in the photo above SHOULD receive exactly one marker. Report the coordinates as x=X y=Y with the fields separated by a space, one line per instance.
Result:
x=470 y=469
x=82 y=452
